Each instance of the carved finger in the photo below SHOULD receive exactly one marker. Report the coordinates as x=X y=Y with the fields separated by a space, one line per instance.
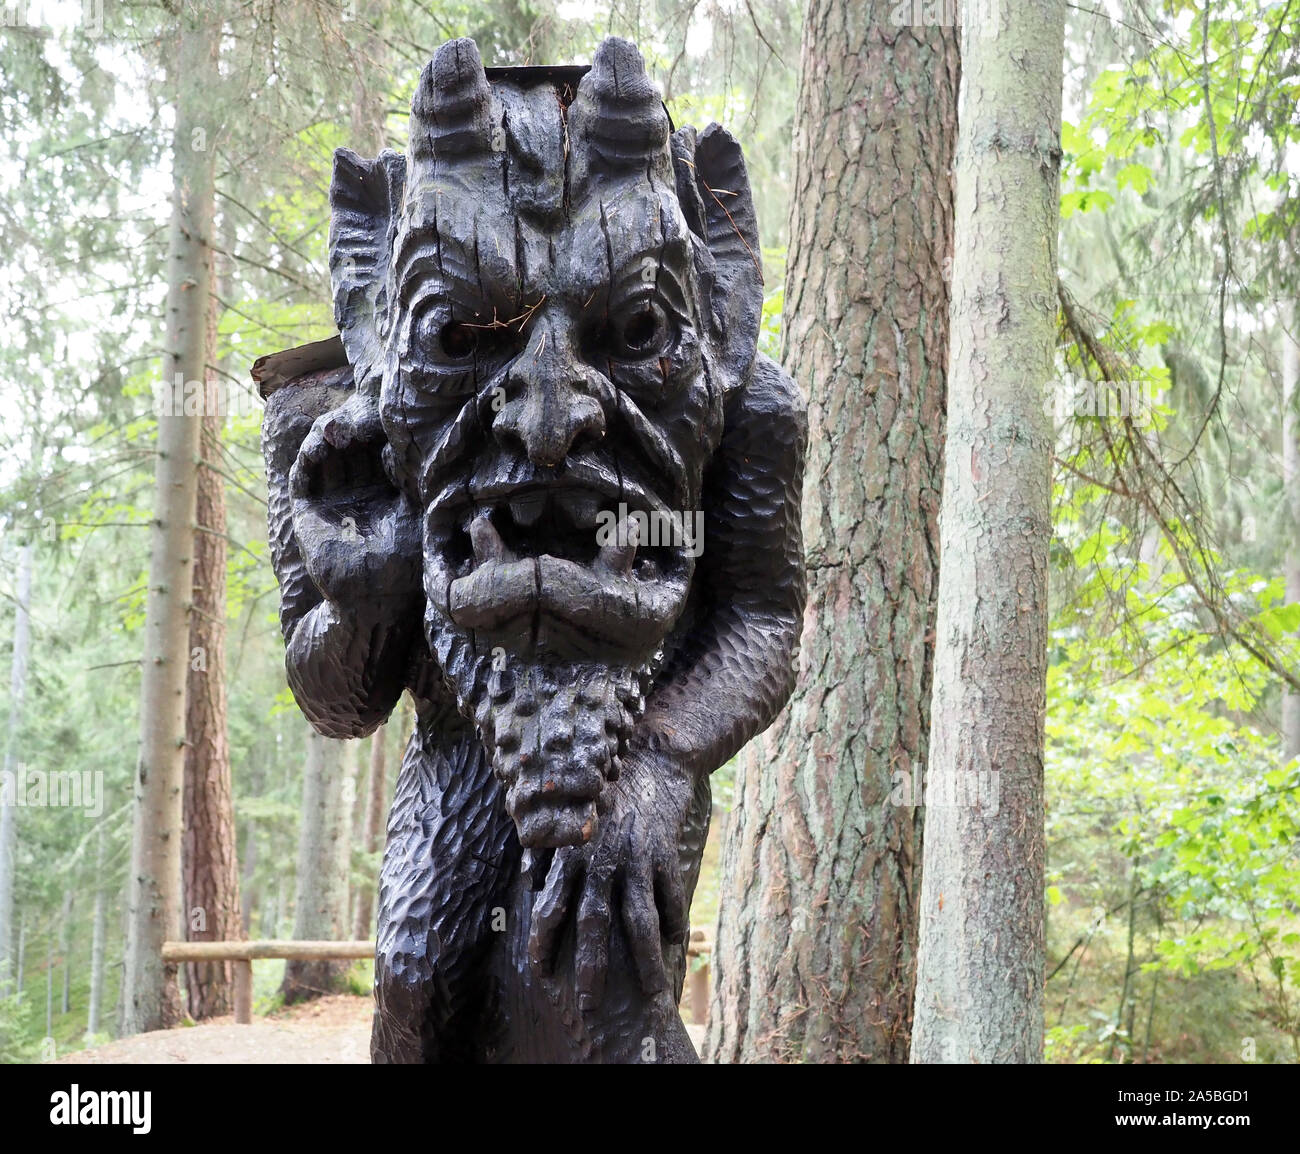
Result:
x=671 y=897
x=342 y=448
x=311 y=458
x=641 y=920
x=594 y=922
x=552 y=905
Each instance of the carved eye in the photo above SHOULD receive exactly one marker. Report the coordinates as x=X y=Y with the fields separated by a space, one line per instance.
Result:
x=458 y=341
x=642 y=332
x=437 y=338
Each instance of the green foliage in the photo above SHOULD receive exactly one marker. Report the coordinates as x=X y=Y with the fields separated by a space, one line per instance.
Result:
x=1170 y=817
x=359 y=979
x=20 y=1040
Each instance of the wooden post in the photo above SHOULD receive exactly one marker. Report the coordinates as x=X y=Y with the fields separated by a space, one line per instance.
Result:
x=243 y=992
x=700 y=994
x=698 y=979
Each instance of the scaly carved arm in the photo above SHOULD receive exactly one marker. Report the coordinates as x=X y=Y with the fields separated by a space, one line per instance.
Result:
x=345 y=547
x=735 y=672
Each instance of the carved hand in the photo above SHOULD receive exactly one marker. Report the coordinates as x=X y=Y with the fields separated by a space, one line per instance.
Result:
x=359 y=535
x=630 y=869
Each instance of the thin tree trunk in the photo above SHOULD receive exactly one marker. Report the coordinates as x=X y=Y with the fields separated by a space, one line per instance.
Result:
x=979 y=995
x=9 y=807
x=152 y=997
x=49 y=984
x=321 y=894
x=22 y=956
x=276 y=918
x=98 y=934
x=816 y=932
x=351 y=761
x=1127 y=996
x=373 y=834
x=369 y=82
x=1291 y=487
x=65 y=953
x=211 y=871
x=246 y=885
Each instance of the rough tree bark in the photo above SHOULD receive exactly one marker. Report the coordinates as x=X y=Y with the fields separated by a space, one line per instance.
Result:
x=320 y=905
x=816 y=934
x=979 y=992
x=211 y=871
x=9 y=810
x=152 y=998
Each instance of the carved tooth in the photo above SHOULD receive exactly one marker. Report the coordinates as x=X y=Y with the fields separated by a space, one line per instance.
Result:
x=487 y=542
x=581 y=505
x=527 y=510
x=616 y=558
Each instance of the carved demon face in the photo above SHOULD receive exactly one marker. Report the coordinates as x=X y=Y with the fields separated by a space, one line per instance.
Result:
x=529 y=298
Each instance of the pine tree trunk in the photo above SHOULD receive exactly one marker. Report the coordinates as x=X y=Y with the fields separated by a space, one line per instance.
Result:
x=9 y=812
x=816 y=933
x=98 y=934
x=979 y=993
x=211 y=870
x=1291 y=487
x=154 y=908
x=321 y=893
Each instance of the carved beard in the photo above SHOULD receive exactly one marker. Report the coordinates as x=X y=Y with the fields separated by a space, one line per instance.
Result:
x=554 y=730
x=554 y=705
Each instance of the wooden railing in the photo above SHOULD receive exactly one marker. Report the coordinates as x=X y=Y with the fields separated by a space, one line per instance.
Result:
x=243 y=954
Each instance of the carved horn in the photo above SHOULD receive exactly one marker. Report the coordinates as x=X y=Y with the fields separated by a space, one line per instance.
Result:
x=451 y=112
x=618 y=113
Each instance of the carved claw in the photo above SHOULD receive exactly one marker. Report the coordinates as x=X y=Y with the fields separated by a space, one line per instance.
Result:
x=634 y=859
x=486 y=541
x=618 y=558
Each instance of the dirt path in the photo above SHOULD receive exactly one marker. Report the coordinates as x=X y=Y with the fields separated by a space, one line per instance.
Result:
x=332 y=1030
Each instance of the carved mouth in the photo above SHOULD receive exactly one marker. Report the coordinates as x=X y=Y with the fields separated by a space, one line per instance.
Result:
x=525 y=564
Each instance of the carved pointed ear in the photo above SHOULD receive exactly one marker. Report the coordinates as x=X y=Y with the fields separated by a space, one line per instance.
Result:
x=731 y=230
x=365 y=201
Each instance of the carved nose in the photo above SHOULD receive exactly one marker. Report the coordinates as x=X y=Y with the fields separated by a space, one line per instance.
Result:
x=551 y=414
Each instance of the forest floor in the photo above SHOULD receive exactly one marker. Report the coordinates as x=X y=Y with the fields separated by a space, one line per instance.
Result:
x=333 y=1030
